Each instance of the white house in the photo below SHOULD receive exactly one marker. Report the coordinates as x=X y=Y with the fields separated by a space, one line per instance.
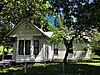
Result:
x=31 y=44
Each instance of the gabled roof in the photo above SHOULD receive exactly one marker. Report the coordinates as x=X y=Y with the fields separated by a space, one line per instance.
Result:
x=48 y=34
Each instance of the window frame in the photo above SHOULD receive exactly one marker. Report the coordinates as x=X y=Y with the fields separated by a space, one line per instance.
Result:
x=27 y=48
x=20 y=52
x=36 y=48
x=24 y=47
x=56 y=49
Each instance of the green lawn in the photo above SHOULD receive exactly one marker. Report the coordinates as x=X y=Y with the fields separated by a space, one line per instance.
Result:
x=54 y=68
x=90 y=63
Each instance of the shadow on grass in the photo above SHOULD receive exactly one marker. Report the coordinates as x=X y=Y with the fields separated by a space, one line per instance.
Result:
x=52 y=69
x=96 y=58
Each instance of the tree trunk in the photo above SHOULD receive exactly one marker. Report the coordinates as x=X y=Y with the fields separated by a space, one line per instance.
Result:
x=68 y=46
x=66 y=55
x=67 y=49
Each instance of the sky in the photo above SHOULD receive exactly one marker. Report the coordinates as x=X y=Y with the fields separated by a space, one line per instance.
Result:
x=90 y=1
x=51 y=20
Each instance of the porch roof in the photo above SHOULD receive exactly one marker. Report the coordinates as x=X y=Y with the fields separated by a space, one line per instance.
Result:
x=49 y=34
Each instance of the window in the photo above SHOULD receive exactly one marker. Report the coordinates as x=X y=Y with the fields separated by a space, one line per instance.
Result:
x=27 y=47
x=24 y=46
x=55 y=49
x=21 y=47
x=36 y=47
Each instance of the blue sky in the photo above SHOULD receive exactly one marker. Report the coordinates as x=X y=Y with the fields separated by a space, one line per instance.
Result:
x=51 y=20
x=90 y=1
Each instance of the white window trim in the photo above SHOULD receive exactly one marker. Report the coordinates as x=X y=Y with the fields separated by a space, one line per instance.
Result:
x=24 y=38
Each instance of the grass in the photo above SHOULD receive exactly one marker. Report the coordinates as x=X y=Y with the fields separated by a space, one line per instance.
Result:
x=91 y=62
x=77 y=68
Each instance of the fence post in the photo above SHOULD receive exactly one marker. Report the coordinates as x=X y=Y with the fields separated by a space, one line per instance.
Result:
x=63 y=66
x=25 y=67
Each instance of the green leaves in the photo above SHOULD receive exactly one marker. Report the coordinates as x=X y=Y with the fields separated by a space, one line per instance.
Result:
x=20 y=9
x=61 y=32
x=5 y=1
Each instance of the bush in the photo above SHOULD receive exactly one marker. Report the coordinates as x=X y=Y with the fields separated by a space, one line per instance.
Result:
x=80 y=60
x=94 y=56
x=84 y=48
x=57 y=60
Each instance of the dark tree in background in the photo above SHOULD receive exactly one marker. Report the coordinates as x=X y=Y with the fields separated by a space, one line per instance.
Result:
x=80 y=16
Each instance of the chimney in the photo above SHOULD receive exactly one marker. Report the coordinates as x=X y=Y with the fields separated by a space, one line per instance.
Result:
x=41 y=27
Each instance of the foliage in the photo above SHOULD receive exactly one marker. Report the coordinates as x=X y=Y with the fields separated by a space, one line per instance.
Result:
x=13 y=11
x=94 y=56
x=9 y=50
x=3 y=32
x=61 y=32
x=95 y=44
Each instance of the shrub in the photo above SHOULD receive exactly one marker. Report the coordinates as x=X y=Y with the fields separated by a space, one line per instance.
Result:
x=94 y=56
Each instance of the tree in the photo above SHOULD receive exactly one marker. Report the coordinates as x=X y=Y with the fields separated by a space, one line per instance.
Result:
x=95 y=44
x=13 y=11
x=78 y=19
